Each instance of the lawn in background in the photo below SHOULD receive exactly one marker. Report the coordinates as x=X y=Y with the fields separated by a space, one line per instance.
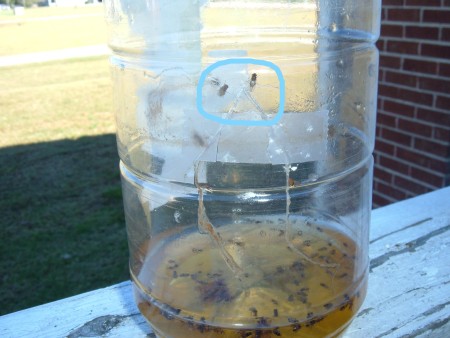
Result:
x=51 y=28
x=62 y=227
x=55 y=100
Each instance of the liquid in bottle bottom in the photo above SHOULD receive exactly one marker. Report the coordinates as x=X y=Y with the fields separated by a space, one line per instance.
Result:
x=296 y=281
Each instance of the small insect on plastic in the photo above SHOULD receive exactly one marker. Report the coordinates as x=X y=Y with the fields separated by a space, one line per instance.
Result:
x=223 y=90
x=253 y=81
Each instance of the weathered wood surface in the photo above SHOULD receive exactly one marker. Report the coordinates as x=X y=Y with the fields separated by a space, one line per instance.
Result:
x=409 y=285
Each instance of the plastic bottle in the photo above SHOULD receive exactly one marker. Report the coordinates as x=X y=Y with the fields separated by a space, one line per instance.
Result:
x=245 y=131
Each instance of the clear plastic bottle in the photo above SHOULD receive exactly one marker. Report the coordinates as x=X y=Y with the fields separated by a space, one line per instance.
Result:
x=245 y=131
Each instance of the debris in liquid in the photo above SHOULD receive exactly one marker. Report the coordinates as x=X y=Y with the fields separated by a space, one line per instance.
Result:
x=210 y=304
x=292 y=297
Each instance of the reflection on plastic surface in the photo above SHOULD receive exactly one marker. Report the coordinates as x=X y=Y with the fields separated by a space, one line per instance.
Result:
x=258 y=116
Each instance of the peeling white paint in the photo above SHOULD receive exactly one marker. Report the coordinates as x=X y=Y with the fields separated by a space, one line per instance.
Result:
x=408 y=296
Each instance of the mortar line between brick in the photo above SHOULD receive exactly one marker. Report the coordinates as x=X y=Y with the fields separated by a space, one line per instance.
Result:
x=412 y=134
x=410 y=103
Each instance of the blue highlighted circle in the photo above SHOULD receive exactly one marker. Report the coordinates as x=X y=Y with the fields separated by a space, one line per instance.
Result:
x=221 y=63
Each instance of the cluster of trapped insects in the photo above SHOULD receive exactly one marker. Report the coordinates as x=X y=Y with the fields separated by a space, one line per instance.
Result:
x=212 y=288
x=263 y=325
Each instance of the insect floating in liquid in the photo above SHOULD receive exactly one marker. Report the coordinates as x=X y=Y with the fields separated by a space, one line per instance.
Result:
x=253 y=80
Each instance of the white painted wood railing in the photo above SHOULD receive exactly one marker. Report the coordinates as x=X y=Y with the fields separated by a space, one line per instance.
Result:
x=409 y=285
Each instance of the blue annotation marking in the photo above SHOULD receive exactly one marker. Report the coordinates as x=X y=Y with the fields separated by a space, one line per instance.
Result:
x=221 y=63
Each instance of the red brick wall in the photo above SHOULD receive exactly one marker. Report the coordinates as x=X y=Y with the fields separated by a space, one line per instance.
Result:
x=412 y=151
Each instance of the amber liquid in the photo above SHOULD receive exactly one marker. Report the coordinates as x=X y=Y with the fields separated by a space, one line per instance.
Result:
x=295 y=280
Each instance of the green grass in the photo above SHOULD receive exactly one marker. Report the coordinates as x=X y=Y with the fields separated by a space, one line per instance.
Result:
x=62 y=226
x=55 y=100
x=68 y=28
